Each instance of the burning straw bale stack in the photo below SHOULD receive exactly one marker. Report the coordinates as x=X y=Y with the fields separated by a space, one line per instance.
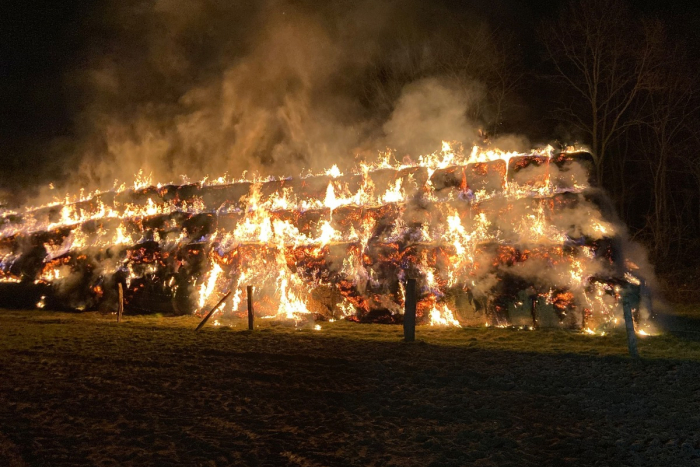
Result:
x=501 y=239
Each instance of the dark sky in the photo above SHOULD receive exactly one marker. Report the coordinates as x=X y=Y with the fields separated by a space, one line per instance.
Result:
x=44 y=42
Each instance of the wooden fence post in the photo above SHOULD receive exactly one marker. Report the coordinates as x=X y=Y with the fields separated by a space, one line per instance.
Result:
x=409 y=315
x=534 y=299
x=645 y=300
x=251 y=315
x=120 y=308
x=211 y=312
x=630 y=300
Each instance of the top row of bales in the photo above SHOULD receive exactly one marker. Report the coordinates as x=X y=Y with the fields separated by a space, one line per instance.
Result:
x=531 y=175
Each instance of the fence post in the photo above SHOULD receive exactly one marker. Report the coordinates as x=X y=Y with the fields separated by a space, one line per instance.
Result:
x=533 y=310
x=251 y=314
x=409 y=315
x=211 y=312
x=630 y=300
x=645 y=297
x=120 y=308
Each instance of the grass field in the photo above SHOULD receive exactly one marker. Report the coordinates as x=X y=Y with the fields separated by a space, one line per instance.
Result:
x=80 y=389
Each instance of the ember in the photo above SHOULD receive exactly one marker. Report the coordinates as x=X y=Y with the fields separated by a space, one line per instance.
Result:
x=492 y=238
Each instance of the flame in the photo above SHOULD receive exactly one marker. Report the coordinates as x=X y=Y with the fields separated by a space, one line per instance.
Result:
x=395 y=193
x=456 y=219
x=334 y=172
x=441 y=315
x=207 y=287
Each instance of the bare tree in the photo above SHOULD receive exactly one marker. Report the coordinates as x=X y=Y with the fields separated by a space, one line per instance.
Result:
x=664 y=136
x=604 y=59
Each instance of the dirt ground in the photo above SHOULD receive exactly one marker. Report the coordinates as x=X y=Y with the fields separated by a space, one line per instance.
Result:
x=83 y=390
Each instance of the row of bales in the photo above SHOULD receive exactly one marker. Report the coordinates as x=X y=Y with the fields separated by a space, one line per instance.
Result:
x=161 y=256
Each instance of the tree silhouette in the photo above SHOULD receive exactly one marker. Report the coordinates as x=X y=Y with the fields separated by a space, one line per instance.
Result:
x=603 y=58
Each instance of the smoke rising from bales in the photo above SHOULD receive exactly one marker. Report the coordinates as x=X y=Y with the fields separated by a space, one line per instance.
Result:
x=201 y=89
x=267 y=107
x=430 y=111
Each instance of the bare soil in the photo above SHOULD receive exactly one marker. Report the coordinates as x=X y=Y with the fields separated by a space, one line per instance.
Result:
x=82 y=390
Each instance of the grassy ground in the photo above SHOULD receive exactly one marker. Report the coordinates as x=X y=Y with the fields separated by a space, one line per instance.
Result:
x=80 y=389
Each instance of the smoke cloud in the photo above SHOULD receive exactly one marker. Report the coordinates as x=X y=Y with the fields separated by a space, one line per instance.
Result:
x=430 y=111
x=183 y=90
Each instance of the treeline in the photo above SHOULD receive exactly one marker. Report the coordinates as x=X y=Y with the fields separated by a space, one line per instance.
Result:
x=628 y=87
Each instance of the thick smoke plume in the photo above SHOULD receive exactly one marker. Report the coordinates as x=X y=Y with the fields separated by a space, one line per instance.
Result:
x=194 y=89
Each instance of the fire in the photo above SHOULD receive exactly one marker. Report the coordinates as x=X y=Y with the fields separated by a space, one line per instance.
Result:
x=207 y=287
x=440 y=315
x=395 y=193
x=488 y=234
x=334 y=172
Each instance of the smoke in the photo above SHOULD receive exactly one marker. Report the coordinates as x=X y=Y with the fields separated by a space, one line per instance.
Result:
x=430 y=111
x=183 y=90
x=264 y=107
